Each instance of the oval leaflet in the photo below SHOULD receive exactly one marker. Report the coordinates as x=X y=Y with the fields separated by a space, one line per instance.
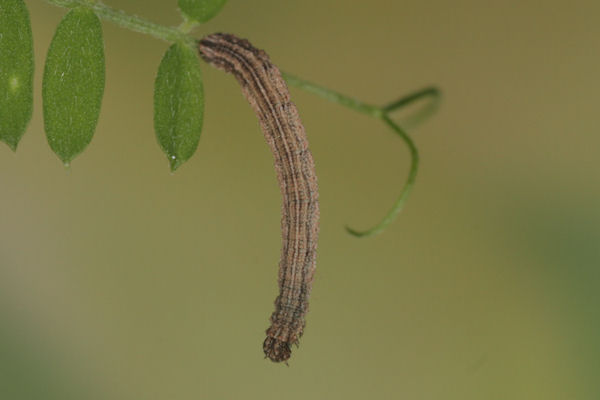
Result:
x=16 y=71
x=178 y=104
x=73 y=83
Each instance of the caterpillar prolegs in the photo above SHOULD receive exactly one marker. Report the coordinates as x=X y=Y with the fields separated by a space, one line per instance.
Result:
x=267 y=93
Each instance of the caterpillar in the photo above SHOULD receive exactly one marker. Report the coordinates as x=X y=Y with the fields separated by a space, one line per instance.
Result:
x=268 y=95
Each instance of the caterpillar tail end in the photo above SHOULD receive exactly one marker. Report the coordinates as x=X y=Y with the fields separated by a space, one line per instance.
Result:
x=276 y=350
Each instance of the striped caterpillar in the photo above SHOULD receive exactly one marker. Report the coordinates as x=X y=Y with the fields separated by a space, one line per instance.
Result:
x=268 y=95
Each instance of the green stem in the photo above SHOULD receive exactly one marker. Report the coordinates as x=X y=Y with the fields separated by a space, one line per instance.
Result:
x=181 y=34
x=432 y=92
x=333 y=96
x=130 y=22
x=408 y=184
x=416 y=118
x=187 y=26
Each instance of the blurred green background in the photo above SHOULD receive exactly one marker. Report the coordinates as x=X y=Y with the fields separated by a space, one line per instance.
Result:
x=119 y=280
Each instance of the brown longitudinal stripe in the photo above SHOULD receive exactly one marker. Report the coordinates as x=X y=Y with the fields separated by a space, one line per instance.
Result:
x=268 y=95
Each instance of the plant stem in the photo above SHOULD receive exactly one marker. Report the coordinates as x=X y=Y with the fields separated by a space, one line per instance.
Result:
x=181 y=34
x=128 y=21
x=187 y=26
x=406 y=189
x=333 y=96
x=422 y=114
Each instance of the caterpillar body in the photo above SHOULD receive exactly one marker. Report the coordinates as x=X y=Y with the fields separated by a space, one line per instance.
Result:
x=267 y=93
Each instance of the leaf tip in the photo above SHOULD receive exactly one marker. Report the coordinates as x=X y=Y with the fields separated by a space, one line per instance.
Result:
x=12 y=144
x=174 y=163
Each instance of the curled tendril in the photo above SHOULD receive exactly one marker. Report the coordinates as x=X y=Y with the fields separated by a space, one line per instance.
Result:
x=383 y=113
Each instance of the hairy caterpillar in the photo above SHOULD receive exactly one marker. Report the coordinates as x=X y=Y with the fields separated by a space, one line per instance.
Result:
x=268 y=95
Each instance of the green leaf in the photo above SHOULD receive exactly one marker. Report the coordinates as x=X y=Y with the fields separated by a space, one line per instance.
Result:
x=16 y=71
x=73 y=83
x=201 y=10
x=178 y=104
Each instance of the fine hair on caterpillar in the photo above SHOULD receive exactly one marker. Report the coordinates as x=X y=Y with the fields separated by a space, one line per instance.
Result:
x=269 y=97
